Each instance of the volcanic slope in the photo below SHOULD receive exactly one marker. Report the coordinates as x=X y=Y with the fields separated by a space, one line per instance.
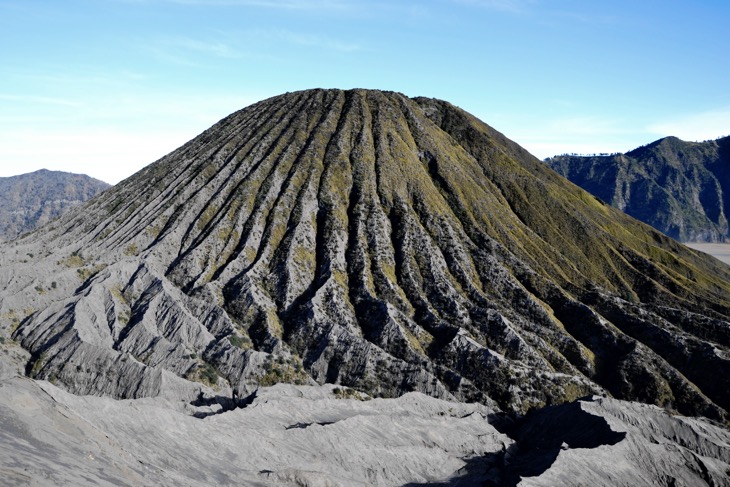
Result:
x=371 y=240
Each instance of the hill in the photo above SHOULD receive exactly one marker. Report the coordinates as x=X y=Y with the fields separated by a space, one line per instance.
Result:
x=680 y=188
x=31 y=200
x=378 y=243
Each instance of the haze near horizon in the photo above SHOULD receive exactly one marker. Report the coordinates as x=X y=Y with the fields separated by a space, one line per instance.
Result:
x=106 y=87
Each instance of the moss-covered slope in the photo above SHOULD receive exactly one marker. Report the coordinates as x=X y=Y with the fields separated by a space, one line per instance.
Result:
x=380 y=242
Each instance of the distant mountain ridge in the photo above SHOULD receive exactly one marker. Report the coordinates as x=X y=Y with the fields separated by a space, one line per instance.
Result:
x=31 y=200
x=680 y=188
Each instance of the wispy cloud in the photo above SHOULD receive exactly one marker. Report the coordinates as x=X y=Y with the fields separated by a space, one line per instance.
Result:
x=196 y=53
x=308 y=40
x=84 y=75
x=275 y=4
x=42 y=100
x=585 y=18
x=214 y=48
x=699 y=126
x=514 y=6
x=189 y=52
x=585 y=126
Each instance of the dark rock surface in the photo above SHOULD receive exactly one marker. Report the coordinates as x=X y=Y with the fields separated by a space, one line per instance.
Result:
x=680 y=188
x=31 y=200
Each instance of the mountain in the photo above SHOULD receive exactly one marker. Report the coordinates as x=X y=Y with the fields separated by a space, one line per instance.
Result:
x=32 y=200
x=680 y=188
x=370 y=240
x=381 y=244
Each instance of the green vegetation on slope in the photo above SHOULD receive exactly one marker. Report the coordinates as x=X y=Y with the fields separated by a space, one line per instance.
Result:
x=394 y=244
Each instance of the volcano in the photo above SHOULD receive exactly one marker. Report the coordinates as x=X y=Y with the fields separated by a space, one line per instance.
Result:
x=377 y=242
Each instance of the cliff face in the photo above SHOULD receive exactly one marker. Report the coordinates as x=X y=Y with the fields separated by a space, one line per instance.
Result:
x=365 y=239
x=31 y=200
x=680 y=188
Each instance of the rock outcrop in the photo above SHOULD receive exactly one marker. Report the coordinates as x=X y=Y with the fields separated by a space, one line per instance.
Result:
x=680 y=188
x=31 y=200
x=368 y=240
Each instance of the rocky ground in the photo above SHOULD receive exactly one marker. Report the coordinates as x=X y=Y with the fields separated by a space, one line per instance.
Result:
x=331 y=436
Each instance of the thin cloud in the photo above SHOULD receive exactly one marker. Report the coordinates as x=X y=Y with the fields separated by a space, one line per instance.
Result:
x=585 y=126
x=214 y=48
x=55 y=75
x=122 y=152
x=586 y=18
x=43 y=100
x=543 y=150
x=275 y=4
x=189 y=52
x=110 y=138
x=700 y=126
x=307 y=40
x=513 y=6
x=165 y=55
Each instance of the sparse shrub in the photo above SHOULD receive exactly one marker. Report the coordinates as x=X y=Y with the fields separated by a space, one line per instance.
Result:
x=288 y=371
x=240 y=342
x=153 y=231
x=202 y=372
x=38 y=365
x=87 y=272
x=123 y=317
x=74 y=260
x=346 y=393
x=209 y=375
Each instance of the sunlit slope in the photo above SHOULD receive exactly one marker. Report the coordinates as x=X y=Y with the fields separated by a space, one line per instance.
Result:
x=367 y=239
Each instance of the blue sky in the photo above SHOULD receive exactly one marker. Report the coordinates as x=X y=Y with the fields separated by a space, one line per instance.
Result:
x=105 y=87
